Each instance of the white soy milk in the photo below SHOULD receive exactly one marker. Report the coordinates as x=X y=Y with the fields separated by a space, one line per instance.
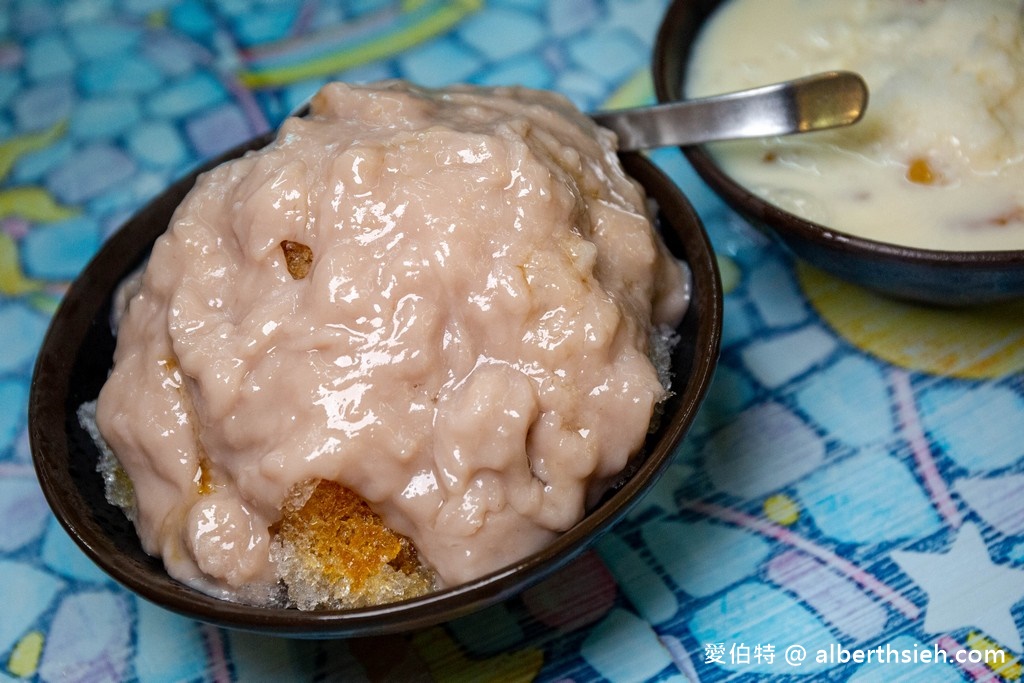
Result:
x=938 y=160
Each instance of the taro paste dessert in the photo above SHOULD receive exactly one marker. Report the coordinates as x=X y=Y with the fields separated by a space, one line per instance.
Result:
x=401 y=347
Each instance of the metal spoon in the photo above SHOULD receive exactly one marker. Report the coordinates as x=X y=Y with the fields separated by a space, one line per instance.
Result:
x=818 y=102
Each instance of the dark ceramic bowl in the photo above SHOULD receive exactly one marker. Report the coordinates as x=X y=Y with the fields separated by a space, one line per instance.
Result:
x=920 y=275
x=76 y=357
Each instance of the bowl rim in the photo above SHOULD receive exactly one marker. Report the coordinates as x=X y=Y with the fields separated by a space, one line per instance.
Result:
x=669 y=79
x=52 y=397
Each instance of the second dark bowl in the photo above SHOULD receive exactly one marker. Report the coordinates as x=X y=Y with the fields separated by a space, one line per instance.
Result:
x=949 y=278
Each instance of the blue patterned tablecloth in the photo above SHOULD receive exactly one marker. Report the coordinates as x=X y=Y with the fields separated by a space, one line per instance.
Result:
x=849 y=505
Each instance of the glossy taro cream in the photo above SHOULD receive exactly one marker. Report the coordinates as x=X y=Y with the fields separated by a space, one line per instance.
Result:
x=441 y=300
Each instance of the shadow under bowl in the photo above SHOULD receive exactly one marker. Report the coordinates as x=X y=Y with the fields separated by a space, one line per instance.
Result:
x=76 y=356
x=945 y=278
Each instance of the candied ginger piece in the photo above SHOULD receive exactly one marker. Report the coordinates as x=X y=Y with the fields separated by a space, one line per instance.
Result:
x=333 y=551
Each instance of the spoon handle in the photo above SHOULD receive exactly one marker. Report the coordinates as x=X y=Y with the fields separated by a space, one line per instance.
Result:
x=817 y=102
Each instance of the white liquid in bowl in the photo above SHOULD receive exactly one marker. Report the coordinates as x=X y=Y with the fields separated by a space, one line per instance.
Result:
x=938 y=160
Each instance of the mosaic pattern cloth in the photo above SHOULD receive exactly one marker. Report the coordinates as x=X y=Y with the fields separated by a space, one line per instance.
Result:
x=849 y=505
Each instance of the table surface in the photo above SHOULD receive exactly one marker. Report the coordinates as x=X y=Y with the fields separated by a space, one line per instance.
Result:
x=852 y=486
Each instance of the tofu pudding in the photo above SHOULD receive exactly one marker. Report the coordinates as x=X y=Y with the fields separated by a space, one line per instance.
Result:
x=937 y=162
x=431 y=308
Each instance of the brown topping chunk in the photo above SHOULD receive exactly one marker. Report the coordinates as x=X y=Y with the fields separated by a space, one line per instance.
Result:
x=1015 y=215
x=343 y=538
x=298 y=257
x=921 y=172
x=204 y=480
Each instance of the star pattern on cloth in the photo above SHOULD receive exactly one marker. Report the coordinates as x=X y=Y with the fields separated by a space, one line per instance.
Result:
x=966 y=588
